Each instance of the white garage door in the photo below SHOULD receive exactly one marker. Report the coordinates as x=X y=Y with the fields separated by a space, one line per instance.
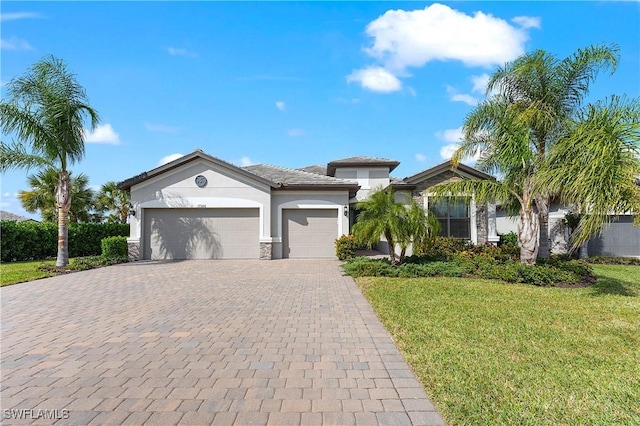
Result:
x=309 y=233
x=201 y=234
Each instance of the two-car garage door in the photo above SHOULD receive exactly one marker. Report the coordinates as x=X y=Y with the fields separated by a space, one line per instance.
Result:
x=309 y=233
x=201 y=233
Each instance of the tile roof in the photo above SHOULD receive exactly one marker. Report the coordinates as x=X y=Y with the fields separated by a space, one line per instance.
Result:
x=318 y=169
x=291 y=177
x=361 y=161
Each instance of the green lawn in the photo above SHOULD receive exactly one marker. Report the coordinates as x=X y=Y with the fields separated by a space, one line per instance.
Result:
x=18 y=272
x=493 y=353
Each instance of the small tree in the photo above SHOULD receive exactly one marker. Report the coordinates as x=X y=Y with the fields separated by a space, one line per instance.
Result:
x=401 y=224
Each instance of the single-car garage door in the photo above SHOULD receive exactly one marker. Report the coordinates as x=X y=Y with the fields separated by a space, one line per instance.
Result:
x=201 y=234
x=309 y=232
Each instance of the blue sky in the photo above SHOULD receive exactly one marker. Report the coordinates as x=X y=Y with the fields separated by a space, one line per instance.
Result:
x=293 y=84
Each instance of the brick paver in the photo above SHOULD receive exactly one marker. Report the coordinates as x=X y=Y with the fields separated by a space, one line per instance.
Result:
x=202 y=342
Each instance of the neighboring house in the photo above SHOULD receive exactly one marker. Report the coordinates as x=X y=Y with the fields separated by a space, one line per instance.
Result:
x=12 y=216
x=201 y=207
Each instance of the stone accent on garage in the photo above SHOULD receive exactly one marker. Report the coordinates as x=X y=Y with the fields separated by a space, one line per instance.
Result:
x=481 y=224
x=133 y=248
x=265 y=251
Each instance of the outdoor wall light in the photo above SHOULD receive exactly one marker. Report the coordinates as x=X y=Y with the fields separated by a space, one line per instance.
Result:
x=132 y=211
x=346 y=210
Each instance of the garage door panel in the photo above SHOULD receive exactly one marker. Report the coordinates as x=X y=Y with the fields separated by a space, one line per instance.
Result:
x=201 y=234
x=309 y=233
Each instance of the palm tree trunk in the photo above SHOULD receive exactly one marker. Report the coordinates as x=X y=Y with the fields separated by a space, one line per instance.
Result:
x=528 y=236
x=63 y=204
x=542 y=203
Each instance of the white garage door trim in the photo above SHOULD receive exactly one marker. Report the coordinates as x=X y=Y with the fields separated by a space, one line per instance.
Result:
x=201 y=233
x=309 y=233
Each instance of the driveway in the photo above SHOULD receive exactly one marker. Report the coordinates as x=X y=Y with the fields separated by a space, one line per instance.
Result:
x=202 y=342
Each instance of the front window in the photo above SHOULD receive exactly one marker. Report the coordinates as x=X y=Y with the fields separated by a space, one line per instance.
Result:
x=453 y=215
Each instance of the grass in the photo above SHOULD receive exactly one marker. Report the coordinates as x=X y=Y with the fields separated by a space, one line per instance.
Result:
x=490 y=353
x=18 y=272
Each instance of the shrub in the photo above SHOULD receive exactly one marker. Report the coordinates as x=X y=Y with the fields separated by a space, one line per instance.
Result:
x=91 y=262
x=605 y=260
x=442 y=248
x=346 y=247
x=365 y=267
x=30 y=240
x=114 y=247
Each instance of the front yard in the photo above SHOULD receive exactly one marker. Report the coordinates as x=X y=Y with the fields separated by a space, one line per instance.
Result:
x=490 y=353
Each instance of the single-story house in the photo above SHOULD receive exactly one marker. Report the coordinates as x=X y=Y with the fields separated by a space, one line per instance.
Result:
x=201 y=207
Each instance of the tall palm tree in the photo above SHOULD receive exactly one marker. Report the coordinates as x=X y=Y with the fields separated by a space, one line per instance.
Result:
x=46 y=112
x=537 y=97
x=115 y=200
x=41 y=196
x=596 y=165
x=400 y=223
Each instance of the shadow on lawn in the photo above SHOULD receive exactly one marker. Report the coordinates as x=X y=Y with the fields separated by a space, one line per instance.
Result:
x=607 y=285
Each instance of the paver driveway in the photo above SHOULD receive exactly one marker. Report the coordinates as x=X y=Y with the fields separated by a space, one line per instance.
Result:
x=201 y=342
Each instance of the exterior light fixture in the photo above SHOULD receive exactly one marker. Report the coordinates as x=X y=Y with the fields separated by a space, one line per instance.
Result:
x=132 y=210
x=346 y=210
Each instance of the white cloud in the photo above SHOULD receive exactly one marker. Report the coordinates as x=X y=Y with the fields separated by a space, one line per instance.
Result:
x=18 y=15
x=15 y=43
x=246 y=161
x=376 y=79
x=420 y=157
x=281 y=105
x=461 y=97
x=450 y=135
x=527 y=21
x=447 y=151
x=169 y=158
x=480 y=83
x=160 y=128
x=411 y=39
x=175 y=51
x=296 y=132
x=102 y=134
x=404 y=39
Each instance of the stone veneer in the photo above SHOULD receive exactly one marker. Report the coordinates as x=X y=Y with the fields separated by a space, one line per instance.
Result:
x=265 y=251
x=481 y=225
x=134 y=250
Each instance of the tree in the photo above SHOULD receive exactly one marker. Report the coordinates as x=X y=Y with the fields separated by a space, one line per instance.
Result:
x=399 y=223
x=114 y=200
x=596 y=165
x=46 y=112
x=537 y=98
x=41 y=196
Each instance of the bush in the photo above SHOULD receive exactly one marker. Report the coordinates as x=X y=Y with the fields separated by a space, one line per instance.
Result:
x=365 y=267
x=442 y=248
x=91 y=262
x=346 y=247
x=114 y=247
x=605 y=260
x=31 y=240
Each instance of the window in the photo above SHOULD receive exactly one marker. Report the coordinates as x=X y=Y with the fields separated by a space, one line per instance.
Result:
x=453 y=215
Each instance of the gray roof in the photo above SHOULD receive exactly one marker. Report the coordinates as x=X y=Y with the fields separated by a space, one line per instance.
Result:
x=318 y=169
x=361 y=161
x=447 y=165
x=12 y=216
x=297 y=178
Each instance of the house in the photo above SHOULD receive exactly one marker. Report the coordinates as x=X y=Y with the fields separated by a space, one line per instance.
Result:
x=201 y=207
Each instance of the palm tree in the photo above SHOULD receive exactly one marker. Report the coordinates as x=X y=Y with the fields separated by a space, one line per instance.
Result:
x=46 y=113
x=596 y=165
x=115 y=200
x=399 y=223
x=41 y=196
x=537 y=98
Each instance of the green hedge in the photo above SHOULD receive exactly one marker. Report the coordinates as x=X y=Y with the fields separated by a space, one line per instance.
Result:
x=114 y=247
x=30 y=240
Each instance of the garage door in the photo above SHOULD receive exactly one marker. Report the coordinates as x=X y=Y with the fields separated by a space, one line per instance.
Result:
x=201 y=234
x=309 y=233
